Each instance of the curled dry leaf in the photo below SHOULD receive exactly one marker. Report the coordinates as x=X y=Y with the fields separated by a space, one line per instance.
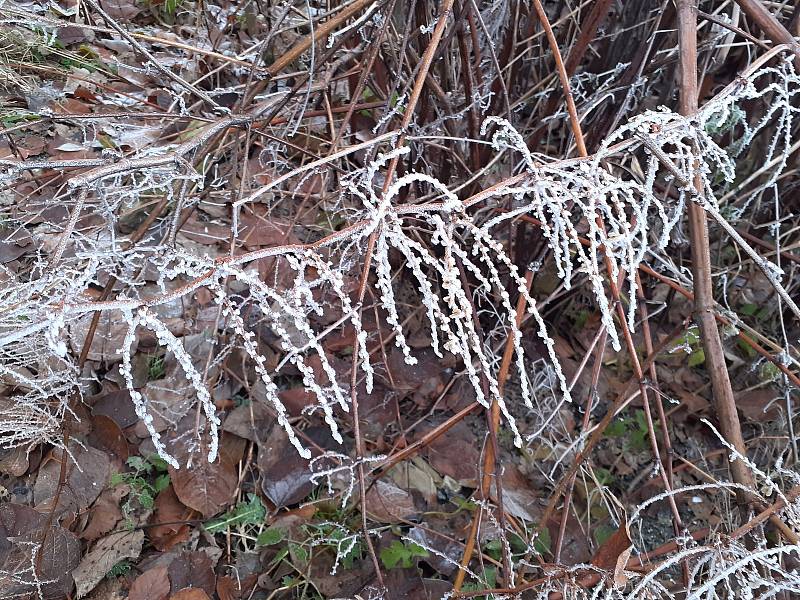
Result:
x=105 y=554
x=613 y=554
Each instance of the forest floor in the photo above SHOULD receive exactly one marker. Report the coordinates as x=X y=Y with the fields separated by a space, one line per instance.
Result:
x=91 y=508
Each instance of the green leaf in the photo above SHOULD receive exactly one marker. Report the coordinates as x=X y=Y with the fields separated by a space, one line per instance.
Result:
x=402 y=555
x=299 y=553
x=697 y=357
x=159 y=463
x=748 y=350
x=146 y=499
x=137 y=463
x=518 y=545
x=246 y=513
x=749 y=309
x=282 y=553
x=494 y=548
x=161 y=483
x=270 y=536
x=463 y=503
x=417 y=550
x=491 y=577
x=542 y=543
x=121 y=568
x=616 y=428
x=604 y=476
x=394 y=554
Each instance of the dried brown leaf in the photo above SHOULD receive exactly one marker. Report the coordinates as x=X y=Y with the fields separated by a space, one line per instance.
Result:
x=206 y=487
x=455 y=454
x=153 y=584
x=170 y=511
x=387 y=503
x=106 y=553
x=192 y=570
x=108 y=436
x=190 y=594
x=88 y=472
x=57 y=553
x=613 y=554
x=284 y=474
x=103 y=516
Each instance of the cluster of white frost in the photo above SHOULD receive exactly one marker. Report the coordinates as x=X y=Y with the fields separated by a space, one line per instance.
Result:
x=595 y=218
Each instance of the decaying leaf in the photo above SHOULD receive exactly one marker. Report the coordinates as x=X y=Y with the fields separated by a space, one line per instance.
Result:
x=103 y=556
x=35 y=554
x=285 y=477
x=189 y=594
x=387 y=503
x=87 y=473
x=153 y=584
x=206 y=487
x=192 y=570
x=613 y=554
x=104 y=514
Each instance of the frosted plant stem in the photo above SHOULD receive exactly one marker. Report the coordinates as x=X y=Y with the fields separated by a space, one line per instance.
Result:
x=154 y=61
x=724 y=403
x=771 y=272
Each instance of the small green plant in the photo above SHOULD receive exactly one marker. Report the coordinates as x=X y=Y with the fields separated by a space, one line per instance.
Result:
x=165 y=8
x=690 y=344
x=271 y=536
x=251 y=512
x=754 y=310
x=155 y=368
x=490 y=581
x=344 y=541
x=123 y=567
x=142 y=490
x=769 y=372
x=542 y=542
x=402 y=554
x=12 y=117
x=634 y=429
